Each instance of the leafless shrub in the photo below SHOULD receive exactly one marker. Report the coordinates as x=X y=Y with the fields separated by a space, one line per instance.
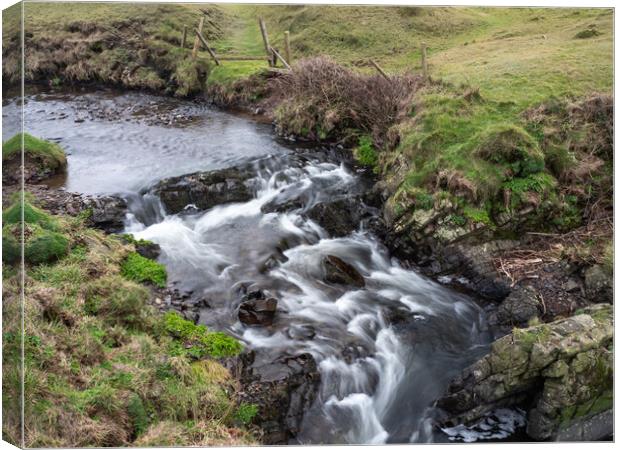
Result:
x=322 y=98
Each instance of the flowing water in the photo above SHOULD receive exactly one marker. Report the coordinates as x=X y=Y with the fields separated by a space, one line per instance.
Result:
x=385 y=352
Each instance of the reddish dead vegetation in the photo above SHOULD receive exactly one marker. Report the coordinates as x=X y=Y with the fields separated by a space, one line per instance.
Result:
x=320 y=98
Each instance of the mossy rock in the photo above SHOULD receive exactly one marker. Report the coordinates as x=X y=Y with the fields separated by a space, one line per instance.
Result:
x=44 y=246
x=31 y=214
x=42 y=158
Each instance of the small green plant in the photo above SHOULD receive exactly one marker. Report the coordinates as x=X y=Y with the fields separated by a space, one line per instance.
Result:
x=458 y=220
x=246 y=412
x=138 y=268
x=365 y=152
x=197 y=341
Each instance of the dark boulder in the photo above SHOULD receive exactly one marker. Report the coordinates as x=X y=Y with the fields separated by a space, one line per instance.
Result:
x=283 y=388
x=108 y=212
x=257 y=309
x=342 y=217
x=204 y=190
x=338 y=218
x=338 y=271
x=599 y=284
x=518 y=308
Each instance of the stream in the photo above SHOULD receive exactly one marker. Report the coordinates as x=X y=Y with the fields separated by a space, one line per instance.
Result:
x=385 y=352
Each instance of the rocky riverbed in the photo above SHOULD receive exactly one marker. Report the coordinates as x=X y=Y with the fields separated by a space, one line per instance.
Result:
x=290 y=251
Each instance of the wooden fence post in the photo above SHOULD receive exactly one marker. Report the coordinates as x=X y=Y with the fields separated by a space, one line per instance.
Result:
x=424 y=62
x=278 y=56
x=380 y=70
x=206 y=45
x=263 y=31
x=287 y=46
x=184 y=36
x=196 y=40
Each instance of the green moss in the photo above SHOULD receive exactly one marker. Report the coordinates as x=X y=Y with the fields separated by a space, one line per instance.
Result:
x=141 y=269
x=130 y=239
x=11 y=249
x=526 y=338
x=197 y=341
x=51 y=154
x=246 y=412
x=365 y=152
x=43 y=246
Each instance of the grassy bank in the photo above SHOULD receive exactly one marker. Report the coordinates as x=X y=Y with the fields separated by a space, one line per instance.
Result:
x=102 y=366
x=513 y=133
x=131 y=45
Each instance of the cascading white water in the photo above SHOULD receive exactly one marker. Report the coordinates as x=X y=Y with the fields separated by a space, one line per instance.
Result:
x=378 y=379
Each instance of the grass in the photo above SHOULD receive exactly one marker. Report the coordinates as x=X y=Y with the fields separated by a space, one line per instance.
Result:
x=133 y=45
x=100 y=363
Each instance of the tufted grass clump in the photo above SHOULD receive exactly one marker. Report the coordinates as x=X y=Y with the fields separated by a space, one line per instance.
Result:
x=138 y=268
x=197 y=341
x=117 y=301
x=509 y=145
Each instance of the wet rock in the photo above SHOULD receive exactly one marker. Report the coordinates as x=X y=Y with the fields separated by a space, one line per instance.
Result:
x=283 y=388
x=595 y=427
x=257 y=309
x=204 y=190
x=518 y=308
x=599 y=285
x=562 y=371
x=148 y=249
x=282 y=207
x=108 y=212
x=339 y=218
x=301 y=332
x=338 y=271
